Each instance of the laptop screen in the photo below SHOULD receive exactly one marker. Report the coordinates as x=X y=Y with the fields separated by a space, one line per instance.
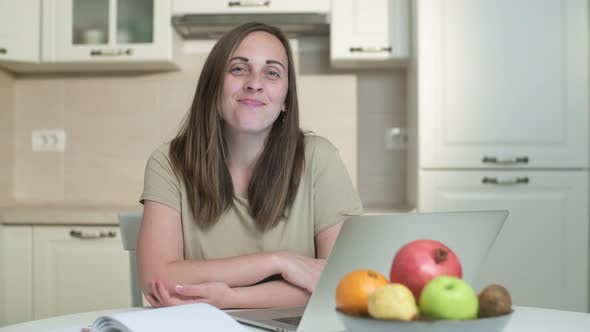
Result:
x=370 y=242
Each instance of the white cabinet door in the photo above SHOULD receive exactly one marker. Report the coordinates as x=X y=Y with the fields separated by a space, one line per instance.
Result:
x=78 y=268
x=16 y=293
x=503 y=83
x=369 y=33
x=107 y=31
x=541 y=254
x=19 y=30
x=181 y=7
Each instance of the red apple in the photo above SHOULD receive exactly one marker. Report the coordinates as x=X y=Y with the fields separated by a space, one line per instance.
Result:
x=418 y=262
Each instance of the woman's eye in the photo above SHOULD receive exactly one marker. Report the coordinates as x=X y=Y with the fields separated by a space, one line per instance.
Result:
x=237 y=70
x=274 y=74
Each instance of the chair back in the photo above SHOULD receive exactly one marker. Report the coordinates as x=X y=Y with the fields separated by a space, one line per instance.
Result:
x=129 y=223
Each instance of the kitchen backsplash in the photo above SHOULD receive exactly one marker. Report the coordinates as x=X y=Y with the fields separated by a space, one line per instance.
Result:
x=113 y=122
x=382 y=105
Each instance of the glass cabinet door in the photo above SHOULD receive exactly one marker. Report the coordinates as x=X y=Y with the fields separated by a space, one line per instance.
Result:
x=93 y=21
x=108 y=30
x=135 y=22
x=90 y=22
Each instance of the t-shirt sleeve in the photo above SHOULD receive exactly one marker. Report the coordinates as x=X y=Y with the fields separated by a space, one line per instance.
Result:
x=160 y=183
x=335 y=198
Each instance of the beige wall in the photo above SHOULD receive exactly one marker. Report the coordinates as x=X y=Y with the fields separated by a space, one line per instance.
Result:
x=381 y=105
x=6 y=136
x=113 y=123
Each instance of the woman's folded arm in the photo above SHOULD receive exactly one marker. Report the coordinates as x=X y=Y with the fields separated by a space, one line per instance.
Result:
x=160 y=256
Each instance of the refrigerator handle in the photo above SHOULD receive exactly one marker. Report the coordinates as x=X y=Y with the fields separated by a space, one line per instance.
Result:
x=505 y=160
x=506 y=182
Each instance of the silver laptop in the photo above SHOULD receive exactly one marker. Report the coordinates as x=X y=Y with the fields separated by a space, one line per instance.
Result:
x=370 y=242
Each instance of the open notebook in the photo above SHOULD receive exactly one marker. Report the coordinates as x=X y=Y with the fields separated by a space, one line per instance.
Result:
x=189 y=317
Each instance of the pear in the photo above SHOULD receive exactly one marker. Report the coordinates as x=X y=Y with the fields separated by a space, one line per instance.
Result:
x=393 y=301
x=494 y=300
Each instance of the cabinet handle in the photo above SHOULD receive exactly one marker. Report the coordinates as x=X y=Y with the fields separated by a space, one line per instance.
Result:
x=111 y=52
x=100 y=235
x=508 y=182
x=248 y=3
x=3 y=50
x=505 y=161
x=370 y=49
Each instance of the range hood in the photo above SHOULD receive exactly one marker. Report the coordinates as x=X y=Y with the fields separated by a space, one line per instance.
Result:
x=212 y=26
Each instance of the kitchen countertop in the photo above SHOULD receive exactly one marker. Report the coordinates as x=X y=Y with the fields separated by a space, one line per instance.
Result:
x=63 y=214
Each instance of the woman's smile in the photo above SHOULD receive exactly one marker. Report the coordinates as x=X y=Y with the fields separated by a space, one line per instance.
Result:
x=251 y=102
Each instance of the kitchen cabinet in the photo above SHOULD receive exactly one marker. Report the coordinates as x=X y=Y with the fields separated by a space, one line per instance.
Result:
x=374 y=33
x=108 y=32
x=67 y=269
x=250 y=6
x=19 y=30
x=503 y=83
x=78 y=269
x=16 y=274
x=541 y=254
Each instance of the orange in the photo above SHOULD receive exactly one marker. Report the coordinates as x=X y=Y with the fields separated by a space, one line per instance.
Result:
x=353 y=291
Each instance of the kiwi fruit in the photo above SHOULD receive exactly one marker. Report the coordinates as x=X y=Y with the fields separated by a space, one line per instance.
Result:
x=494 y=300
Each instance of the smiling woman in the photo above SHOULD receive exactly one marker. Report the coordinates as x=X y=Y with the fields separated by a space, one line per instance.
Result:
x=255 y=86
x=242 y=208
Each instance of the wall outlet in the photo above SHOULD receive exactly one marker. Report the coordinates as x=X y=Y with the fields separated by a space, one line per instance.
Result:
x=396 y=139
x=48 y=140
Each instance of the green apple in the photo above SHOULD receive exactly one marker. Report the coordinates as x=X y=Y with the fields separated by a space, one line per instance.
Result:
x=447 y=297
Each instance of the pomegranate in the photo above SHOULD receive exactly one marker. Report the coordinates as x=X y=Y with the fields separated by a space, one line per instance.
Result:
x=418 y=262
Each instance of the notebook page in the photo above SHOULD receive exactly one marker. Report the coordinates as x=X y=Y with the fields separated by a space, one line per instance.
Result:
x=190 y=317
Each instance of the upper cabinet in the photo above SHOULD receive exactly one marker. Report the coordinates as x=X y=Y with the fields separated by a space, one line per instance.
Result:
x=79 y=35
x=19 y=30
x=503 y=83
x=250 y=6
x=107 y=31
x=370 y=33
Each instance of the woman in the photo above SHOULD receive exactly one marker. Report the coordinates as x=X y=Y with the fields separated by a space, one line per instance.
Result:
x=242 y=208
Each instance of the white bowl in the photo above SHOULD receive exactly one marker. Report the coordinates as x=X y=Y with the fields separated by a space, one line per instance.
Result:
x=367 y=324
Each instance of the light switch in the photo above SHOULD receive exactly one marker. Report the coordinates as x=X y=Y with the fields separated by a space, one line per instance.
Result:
x=48 y=140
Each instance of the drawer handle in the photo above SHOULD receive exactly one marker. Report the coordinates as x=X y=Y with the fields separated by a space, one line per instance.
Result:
x=506 y=182
x=248 y=3
x=3 y=50
x=100 y=235
x=370 y=49
x=111 y=52
x=505 y=160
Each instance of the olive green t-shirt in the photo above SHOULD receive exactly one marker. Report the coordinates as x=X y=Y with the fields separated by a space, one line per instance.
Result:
x=325 y=197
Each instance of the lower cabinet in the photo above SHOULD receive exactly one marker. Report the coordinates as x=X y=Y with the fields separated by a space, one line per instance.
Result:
x=16 y=274
x=541 y=254
x=56 y=270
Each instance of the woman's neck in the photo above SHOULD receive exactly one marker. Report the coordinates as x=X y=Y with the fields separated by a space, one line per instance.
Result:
x=244 y=149
x=243 y=152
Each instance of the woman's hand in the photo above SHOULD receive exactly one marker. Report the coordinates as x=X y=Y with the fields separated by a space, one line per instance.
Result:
x=301 y=271
x=215 y=293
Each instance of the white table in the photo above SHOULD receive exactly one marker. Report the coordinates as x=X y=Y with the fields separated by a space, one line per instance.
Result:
x=524 y=319
x=70 y=323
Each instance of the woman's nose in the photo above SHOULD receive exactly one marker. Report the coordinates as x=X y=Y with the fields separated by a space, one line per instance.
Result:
x=254 y=82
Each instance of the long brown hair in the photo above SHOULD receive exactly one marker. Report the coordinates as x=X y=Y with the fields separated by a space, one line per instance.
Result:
x=199 y=152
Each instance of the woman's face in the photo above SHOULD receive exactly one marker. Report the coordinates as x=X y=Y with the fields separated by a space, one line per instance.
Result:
x=255 y=84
